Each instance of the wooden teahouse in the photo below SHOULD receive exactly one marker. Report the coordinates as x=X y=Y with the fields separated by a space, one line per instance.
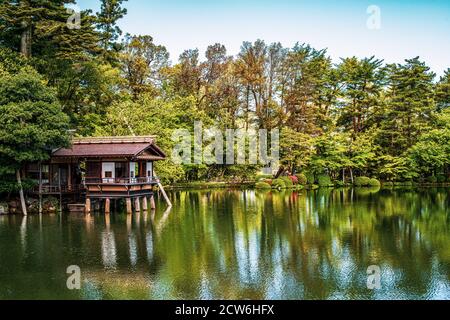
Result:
x=101 y=169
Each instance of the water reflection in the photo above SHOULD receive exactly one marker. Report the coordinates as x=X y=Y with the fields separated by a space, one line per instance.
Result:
x=230 y=244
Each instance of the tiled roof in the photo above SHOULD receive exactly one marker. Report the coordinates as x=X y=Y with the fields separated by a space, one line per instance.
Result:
x=109 y=147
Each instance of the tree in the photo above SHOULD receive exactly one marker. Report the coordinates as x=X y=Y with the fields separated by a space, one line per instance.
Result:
x=40 y=28
x=141 y=63
x=442 y=91
x=110 y=12
x=410 y=105
x=362 y=83
x=32 y=122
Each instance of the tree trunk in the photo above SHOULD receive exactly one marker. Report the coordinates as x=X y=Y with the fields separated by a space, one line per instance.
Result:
x=343 y=176
x=25 y=41
x=351 y=174
x=22 y=197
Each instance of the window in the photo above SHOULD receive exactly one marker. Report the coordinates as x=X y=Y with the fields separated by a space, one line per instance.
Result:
x=108 y=171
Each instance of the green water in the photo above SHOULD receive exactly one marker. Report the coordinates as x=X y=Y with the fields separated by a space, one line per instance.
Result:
x=232 y=244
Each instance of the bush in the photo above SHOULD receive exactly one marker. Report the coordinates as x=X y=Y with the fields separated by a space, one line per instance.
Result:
x=362 y=181
x=432 y=179
x=278 y=184
x=404 y=183
x=324 y=180
x=302 y=179
x=374 y=182
x=441 y=178
x=339 y=183
x=388 y=184
x=260 y=177
x=310 y=178
x=287 y=182
x=294 y=179
x=262 y=185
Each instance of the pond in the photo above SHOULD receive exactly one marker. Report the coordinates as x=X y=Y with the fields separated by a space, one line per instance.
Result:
x=238 y=244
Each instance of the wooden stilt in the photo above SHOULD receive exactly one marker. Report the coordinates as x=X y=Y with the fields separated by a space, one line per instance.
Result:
x=87 y=208
x=137 y=204
x=129 y=210
x=152 y=202
x=144 y=204
x=107 y=206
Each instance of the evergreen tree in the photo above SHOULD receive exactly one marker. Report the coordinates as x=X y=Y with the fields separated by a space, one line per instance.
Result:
x=410 y=105
x=442 y=91
x=110 y=12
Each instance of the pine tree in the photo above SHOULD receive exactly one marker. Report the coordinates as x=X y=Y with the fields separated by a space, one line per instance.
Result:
x=410 y=104
x=442 y=91
x=110 y=12
x=42 y=28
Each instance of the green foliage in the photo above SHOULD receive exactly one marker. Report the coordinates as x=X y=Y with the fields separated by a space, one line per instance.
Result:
x=324 y=180
x=362 y=181
x=310 y=177
x=441 y=178
x=302 y=179
x=260 y=177
x=288 y=182
x=31 y=118
x=262 y=185
x=432 y=179
x=278 y=184
x=374 y=182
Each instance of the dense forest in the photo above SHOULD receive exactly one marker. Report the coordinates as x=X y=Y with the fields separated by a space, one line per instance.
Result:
x=355 y=117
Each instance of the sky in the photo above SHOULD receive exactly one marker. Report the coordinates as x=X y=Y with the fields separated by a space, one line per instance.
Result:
x=402 y=29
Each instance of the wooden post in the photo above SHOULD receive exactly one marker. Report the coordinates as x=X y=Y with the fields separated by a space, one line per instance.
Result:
x=69 y=177
x=137 y=204
x=87 y=208
x=152 y=202
x=128 y=201
x=107 y=206
x=40 y=188
x=144 y=204
x=22 y=197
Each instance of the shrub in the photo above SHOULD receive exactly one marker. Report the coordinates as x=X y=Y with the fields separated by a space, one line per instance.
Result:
x=294 y=179
x=287 y=182
x=362 y=181
x=302 y=179
x=339 y=183
x=403 y=183
x=310 y=178
x=432 y=179
x=388 y=184
x=278 y=184
x=324 y=180
x=441 y=178
x=260 y=177
x=374 y=182
x=262 y=185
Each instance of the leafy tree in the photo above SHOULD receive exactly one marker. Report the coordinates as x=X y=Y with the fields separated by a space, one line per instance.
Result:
x=32 y=122
x=141 y=64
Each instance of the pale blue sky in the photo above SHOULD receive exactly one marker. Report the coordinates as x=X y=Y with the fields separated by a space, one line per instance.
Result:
x=408 y=28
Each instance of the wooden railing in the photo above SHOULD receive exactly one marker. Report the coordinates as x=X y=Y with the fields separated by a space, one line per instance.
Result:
x=121 y=181
x=49 y=189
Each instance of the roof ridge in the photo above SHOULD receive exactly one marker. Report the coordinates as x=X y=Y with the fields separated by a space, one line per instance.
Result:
x=114 y=140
